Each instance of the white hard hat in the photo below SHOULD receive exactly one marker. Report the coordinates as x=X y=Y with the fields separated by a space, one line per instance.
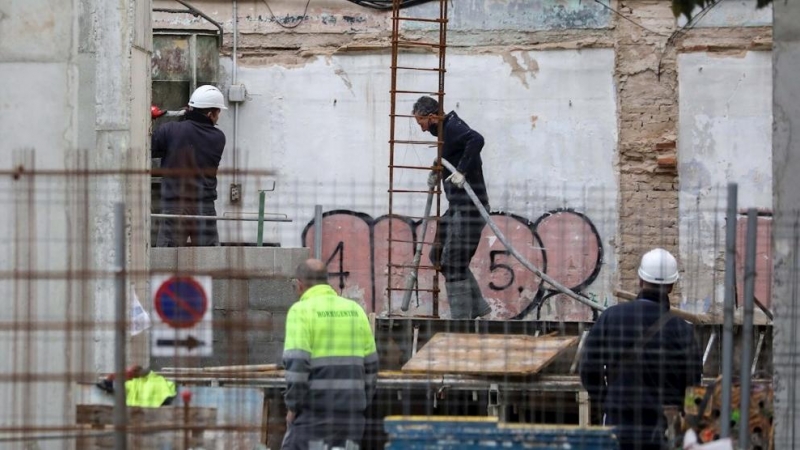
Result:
x=658 y=267
x=207 y=96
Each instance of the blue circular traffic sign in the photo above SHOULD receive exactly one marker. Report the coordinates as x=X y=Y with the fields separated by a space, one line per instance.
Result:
x=181 y=302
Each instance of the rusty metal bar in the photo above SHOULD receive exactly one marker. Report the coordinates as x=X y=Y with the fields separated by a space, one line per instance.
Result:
x=392 y=130
x=407 y=191
x=400 y=141
x=416 y=68
x=414 y=167
x=420 y=19
x=418 y=44
x=403 y=91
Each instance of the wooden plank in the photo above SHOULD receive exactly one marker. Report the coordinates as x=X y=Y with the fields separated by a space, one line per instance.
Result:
x=488 y=354
x=102 y=415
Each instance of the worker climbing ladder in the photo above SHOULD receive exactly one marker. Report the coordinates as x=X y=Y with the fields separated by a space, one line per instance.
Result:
x=403 y=275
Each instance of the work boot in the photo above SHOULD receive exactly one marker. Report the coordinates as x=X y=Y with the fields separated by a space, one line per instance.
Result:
x=480 y=307
x=459 y=294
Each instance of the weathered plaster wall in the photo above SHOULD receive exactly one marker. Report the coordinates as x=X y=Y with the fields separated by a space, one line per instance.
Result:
x=732 y=13
x=488 y=41
x=533 y=161
x=786 y=185
x=724 y=136
x=66 y=104
x=648 y=87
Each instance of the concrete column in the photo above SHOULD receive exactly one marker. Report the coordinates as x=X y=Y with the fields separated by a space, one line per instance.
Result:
x=786 y=227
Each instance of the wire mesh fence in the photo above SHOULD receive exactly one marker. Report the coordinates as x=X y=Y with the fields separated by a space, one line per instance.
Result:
x=214 y=321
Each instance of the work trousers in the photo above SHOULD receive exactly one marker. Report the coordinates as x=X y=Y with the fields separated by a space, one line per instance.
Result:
x=637 y=430
x=457 y=237
x=332 y=429
x=188 y=232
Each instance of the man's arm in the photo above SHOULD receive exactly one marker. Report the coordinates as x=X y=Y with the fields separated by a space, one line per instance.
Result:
x=296 y=359
x=370 y=359
x=473 y=144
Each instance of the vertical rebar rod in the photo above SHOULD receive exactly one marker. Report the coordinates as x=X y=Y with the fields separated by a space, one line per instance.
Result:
x=120 y=411
x=262 y=200
x=392 y=130
x=727 y=328
x=318 y=231
x=747 y=326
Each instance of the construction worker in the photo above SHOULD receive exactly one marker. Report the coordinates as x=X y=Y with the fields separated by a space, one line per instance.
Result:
x=331 y=363
x=638 y=357
x=192 y=149
x=459 y=230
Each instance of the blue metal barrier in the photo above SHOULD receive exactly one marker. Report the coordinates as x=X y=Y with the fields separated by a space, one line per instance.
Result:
x=474 y=433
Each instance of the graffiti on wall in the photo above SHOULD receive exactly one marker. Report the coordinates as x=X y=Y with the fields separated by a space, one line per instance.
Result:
x=563 y=243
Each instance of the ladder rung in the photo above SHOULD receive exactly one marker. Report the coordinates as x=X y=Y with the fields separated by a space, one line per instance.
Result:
x=417 y=44
x=408 y=242
x=417 y=92
x=412 y=167
x=431 y=143
x=411 y=266
x=418 y=68
x=420 y=19
x=407 y=191
x=421 y=290
x=432 y=218
x=410 y=116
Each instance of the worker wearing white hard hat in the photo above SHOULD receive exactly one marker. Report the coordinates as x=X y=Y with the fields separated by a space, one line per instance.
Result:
x=190 y=152
x=639 y=358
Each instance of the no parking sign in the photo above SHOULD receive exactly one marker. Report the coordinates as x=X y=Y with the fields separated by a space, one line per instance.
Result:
x=183 y=307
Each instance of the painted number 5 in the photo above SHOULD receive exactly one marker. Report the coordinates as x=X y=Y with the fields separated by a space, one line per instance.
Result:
x=493 y=265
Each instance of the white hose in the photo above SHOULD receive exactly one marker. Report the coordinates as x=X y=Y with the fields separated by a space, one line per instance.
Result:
x=559 y=287
x=411 y=280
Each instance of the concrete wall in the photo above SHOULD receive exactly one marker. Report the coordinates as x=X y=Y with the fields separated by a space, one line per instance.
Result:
x=724 y=136
x=786 y=185
x=67 y=104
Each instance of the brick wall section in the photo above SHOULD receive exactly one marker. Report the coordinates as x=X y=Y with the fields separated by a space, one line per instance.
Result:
x=648 y=109
x=647 y=88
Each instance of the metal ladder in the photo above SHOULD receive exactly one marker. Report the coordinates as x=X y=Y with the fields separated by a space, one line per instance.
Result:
x=439 y=48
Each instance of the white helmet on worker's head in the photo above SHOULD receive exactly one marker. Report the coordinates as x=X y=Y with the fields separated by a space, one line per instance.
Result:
x=658 y=266
x=207 y=96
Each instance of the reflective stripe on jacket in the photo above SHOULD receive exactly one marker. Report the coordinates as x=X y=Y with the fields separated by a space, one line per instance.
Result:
x=329 y=354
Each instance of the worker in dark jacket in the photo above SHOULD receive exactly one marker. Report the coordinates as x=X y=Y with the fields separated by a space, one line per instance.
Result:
x=459 y=230
x=638 y=358
x=331 y=364
x=190 y=152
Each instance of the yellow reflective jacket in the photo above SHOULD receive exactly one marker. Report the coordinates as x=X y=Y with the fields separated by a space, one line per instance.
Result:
x=148 y=391
x=329 y=354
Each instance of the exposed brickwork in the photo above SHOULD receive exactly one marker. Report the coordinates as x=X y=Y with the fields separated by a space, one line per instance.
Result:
x=648 y=108
x=647 y=87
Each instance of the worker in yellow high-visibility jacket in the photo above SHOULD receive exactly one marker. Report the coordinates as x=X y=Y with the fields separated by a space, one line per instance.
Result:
x=331 y=363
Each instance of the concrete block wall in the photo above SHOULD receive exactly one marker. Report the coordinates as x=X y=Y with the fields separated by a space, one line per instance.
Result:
x=252 y=292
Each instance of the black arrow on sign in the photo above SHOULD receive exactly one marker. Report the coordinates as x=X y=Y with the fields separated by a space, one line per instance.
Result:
x=190 y=343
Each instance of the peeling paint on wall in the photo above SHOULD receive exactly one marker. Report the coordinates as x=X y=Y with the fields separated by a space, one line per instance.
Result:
x=732 y=13
x=515 y=15
x=725 y=135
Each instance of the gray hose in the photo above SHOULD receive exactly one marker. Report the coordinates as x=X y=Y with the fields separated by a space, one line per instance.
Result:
x=411 y=280
x=559 y=287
